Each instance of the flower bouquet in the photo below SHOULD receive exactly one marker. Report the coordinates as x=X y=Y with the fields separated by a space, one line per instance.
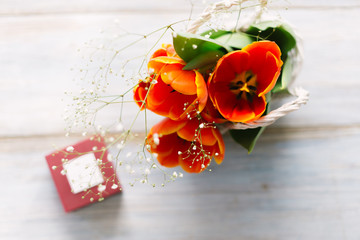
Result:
x=218 y=80
x=209 y=82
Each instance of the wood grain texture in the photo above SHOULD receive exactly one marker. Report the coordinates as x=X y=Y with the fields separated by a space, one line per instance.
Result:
x=38 y=51
x=301 y=181
x=293 y=186
x=18 y=7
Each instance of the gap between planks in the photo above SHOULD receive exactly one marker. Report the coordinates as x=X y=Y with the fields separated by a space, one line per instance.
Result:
x=12 y=143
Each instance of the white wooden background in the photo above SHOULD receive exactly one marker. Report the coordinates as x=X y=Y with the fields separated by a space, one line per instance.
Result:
x=301 y=182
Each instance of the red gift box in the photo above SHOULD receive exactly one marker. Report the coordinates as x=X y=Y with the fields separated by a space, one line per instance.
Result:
x=83 y=174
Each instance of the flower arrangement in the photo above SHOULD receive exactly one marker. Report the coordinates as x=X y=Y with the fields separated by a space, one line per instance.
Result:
x=208 y=83
x=218 y=77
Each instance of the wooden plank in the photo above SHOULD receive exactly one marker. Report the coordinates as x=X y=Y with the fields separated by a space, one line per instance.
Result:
x=50 y=7
x=18 y=7
x=292 y=186
x=37 y=52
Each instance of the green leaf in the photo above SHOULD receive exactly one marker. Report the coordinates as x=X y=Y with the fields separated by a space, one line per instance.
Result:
x=189 y=46
x=248 y=137
x=236 y=40
x=213 y=34
x=275 y=31
x=284 y=78
x=204 y=61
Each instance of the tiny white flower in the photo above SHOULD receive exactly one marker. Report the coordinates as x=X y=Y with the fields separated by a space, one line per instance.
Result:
x=175 y=175
x=114 y=186
x=156 y=138
x=70 y=149
x=120 y=127
x=101 y=188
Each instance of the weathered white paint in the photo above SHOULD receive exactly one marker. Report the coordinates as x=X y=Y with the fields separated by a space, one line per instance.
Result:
x=301 y=181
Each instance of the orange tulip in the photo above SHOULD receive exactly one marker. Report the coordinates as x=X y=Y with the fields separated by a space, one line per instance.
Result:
x=140 y=93
x=211 y=114
x=171 y=91
x=188 y=143
x=165 y=50
x=238 y=85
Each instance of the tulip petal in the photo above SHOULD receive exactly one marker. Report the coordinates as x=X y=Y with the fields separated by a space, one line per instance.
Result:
x=258 y=105
x=219 y=148
x=268 y=76
x=158 y=94
x=164 y=147
x=178 y=103
x=202 y=92
x=242 y=112
x=167 y=126
x=228 y=103
x=231 y=64
x=140 y=92
x=265 y=62
x=259 y=49
x=211 y=114
x=165 y=50
x=180 y=80
x=159 y=53
x=192 y=127
x=168 y=60
x=169 y=161
x=167 y=150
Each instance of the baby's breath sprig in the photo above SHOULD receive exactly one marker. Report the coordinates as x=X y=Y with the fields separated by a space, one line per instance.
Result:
x=112 y=75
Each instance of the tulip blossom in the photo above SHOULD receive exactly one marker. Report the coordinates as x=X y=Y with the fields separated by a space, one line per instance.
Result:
x=188 y=143
x=238 y=85
x=165 y=50
x=171 y=91
x=211 y=114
